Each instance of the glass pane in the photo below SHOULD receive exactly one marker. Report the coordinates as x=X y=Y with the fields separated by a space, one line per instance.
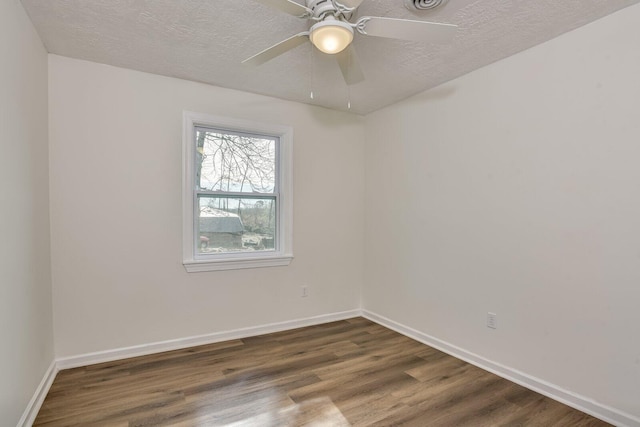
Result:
x=228 y=224
x=237 y=163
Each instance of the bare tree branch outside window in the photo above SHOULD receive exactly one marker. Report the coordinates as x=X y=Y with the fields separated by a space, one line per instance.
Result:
x=236 y=163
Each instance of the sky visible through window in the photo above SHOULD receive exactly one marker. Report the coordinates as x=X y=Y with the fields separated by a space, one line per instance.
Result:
x=236 y=163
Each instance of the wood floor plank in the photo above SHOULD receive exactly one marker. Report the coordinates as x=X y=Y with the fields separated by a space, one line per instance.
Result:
x=347 y=373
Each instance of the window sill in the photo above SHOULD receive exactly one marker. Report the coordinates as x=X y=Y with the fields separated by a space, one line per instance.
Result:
x=236 y=263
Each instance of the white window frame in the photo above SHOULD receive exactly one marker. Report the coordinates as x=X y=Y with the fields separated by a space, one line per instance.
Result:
x=283 y=253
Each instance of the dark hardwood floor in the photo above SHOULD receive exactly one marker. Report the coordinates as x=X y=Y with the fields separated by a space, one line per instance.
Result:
x=352 y=372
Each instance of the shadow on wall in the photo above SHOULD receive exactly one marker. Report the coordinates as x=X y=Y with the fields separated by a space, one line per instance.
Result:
x=436 y=94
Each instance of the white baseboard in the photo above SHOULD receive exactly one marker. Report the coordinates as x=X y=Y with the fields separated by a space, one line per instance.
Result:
x=30 y=413
x=176 y=344
x=582 y=403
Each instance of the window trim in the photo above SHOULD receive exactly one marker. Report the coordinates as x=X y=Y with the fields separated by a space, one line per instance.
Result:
x=283 y=253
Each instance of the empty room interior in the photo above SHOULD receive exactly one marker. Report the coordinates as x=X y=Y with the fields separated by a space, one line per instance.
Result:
x=290 y=212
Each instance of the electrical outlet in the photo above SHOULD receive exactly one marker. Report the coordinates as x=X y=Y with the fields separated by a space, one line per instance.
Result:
x=304 y=291
x=492 y=320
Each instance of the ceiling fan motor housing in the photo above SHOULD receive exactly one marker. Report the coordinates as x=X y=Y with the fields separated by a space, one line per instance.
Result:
x=423 y=4
x=321 y=7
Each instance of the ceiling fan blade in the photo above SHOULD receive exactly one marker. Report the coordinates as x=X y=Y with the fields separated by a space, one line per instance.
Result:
x=405 y=29
x=350 y=66
x=351 y=4
x=288 y=6
x=277 y=49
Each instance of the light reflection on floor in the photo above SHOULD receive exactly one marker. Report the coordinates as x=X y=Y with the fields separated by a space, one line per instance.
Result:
x=320 y=412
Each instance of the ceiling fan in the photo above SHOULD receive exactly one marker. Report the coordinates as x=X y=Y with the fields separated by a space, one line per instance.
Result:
x=332 y=32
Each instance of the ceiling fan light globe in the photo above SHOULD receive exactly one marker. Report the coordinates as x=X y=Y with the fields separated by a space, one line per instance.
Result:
x=331 y=36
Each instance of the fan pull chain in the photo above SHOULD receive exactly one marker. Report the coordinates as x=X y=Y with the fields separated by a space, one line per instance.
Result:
x=349 y=67
x=313 y=71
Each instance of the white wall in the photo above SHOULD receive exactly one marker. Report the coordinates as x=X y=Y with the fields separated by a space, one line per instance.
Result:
x=118 y=280
x=26 y=333
x=516 y=189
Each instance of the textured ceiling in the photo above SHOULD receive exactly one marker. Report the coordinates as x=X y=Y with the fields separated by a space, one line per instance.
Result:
x=206 y=40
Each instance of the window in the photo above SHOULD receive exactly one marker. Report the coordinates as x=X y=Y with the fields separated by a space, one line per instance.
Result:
x=237 y=194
